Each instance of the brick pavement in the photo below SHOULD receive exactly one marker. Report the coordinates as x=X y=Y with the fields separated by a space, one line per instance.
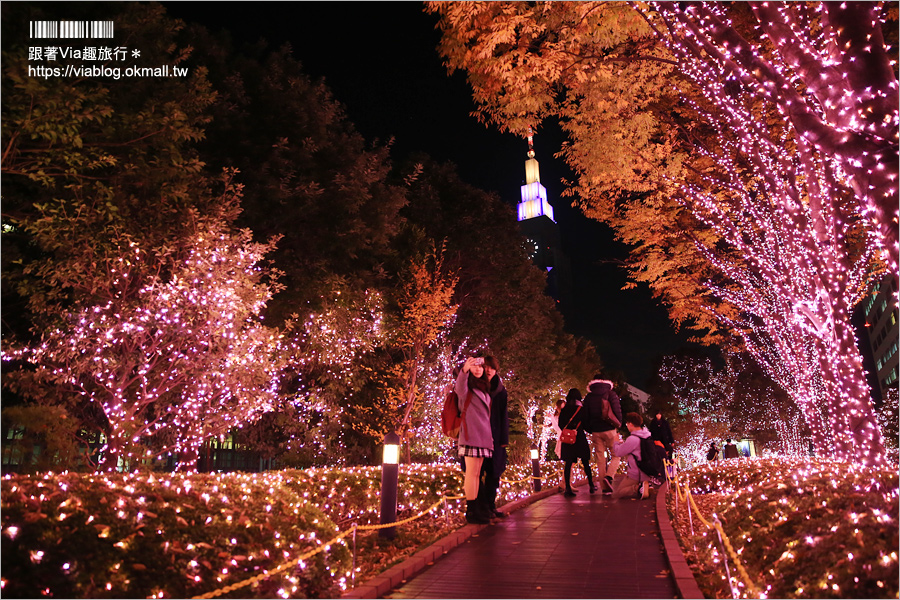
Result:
x=584 y=547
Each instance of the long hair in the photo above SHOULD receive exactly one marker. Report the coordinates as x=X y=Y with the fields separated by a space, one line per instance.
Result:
x=559 y=406
x=480 y=383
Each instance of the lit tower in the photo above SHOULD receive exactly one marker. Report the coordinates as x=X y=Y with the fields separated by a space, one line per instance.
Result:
x=534 y=196
x=537 y=224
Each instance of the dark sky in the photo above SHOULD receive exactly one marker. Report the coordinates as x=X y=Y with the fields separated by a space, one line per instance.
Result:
x=380 y=61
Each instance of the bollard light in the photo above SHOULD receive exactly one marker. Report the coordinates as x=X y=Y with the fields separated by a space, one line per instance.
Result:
x=536 y=468
x=391 y=452
x=390 y=470
x=535 y=454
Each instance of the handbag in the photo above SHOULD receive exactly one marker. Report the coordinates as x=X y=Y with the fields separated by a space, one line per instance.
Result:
x=568 y=436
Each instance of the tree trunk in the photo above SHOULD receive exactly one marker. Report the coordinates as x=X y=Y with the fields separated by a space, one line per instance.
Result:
x=112 y=452
x=836 y=400
x=860 y=437
x=187 y=460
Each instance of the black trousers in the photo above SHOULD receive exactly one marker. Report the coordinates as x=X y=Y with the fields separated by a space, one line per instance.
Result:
x=489 y=484
x=567 y=472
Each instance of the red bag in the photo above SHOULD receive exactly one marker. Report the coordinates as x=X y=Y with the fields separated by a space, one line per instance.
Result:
x=451 y=418
x=568 y=436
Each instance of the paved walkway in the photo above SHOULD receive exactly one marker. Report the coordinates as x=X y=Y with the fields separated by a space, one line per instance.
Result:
x=589 y=546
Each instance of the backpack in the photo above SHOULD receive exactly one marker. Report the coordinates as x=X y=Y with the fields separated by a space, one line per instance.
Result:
x=451 y=418
x=652 y=456
x=607 y=413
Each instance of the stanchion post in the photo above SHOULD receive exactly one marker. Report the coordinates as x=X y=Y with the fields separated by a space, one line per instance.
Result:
x=536 y=468
x=353 y=572
x=690 y=518
x=677 y=493
x=390 y=470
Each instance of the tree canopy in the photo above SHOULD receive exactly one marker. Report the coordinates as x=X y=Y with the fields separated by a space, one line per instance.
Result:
x=731 y=203
x=223 y=253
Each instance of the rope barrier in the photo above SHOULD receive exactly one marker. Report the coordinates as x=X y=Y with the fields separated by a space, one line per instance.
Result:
x=545 y=477
x=267 y=574
x=353 y=529
x=523 y=480
x=411 y=519
x=311 y=553
x=716 y=525
x=740 y=566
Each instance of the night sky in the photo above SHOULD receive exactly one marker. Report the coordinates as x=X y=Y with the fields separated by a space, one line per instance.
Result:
x=380 y=61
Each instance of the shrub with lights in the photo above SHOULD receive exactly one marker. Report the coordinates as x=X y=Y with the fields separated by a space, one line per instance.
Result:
x=182 y=535
x=802 y=528
x=146 y=535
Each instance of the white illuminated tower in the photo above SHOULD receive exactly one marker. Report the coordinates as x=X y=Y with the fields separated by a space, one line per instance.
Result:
x=538 y=225
x=534 y=196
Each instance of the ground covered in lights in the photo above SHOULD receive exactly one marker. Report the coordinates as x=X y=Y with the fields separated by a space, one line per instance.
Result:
x=297 y=533
x=802 y=528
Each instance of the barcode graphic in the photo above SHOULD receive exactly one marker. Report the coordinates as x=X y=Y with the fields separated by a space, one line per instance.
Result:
x=71 y=29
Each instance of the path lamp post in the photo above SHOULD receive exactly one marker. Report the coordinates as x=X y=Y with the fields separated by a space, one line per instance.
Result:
x=536 y=468
x=389 y=474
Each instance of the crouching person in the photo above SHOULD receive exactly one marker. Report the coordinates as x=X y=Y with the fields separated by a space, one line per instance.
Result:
x=635 y=479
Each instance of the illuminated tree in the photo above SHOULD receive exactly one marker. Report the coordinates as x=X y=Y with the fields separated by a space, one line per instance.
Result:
x=713 y=401
x=826 y=68
x=799 y=254
x=888 y=415
x=100 y=180
x=426 y=310
x=425 y=435
x=784 y=245
x=324 y=412
x=172 y=350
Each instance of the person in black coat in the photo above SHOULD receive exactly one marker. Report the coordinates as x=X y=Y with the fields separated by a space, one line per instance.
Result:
x=492 y=468
x=660 y=430
x=574 y=417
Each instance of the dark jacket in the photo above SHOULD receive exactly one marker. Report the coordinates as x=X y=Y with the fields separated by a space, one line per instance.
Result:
x=730 y=451
x=580 y=449
x=593 y=404
x=499 y=423
x=660 y=430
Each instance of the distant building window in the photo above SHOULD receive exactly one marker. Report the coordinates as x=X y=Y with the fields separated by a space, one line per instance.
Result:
x=891 y=378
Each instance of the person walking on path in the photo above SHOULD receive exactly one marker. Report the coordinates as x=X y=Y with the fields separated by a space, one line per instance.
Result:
x=475 y=440
x=660 y=430
x=627 y=487
x=602 y=428
x=730 y=450
x=713 y=452
x=554 y=423
x=572 y=417
x=492 y=468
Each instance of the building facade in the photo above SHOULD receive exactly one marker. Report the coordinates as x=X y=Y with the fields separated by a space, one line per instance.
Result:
x=881 y=330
